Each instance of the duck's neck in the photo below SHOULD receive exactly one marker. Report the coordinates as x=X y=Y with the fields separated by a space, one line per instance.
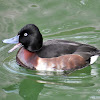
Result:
x=26 y=58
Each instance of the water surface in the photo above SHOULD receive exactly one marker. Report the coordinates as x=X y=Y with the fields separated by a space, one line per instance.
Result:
x=75 y=20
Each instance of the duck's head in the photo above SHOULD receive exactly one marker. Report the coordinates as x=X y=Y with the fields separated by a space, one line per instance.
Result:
x=29 y=37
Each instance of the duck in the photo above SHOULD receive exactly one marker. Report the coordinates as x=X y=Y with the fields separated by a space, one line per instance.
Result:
x=50 y=55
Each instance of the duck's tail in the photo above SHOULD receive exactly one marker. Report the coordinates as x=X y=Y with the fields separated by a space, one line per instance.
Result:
x=94 y=57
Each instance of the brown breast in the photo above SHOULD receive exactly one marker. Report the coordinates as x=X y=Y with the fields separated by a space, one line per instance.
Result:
x=64 y=62
x=26 y=59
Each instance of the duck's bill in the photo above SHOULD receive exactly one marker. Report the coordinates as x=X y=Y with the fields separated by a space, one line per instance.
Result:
x=14 y=40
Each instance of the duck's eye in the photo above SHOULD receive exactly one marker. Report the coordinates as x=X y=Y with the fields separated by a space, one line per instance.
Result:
x=25 y=34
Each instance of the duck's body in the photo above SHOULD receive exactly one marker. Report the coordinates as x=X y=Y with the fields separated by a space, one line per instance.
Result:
x=52 y=55
x=58 y=55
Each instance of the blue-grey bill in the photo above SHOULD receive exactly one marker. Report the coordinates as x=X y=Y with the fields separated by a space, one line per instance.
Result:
x=13 y=40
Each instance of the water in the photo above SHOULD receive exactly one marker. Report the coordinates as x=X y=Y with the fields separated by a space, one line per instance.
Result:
x=76 y=20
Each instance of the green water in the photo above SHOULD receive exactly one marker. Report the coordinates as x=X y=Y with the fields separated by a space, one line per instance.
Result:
x=76 y=20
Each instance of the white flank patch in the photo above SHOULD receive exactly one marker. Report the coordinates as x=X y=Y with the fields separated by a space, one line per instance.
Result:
x=43 y=66
x=93 y=59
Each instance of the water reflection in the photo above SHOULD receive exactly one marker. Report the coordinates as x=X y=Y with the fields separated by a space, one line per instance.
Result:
x=30 y=89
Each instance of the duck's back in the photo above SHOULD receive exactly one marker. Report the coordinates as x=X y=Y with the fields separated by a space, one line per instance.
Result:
x=55 y=48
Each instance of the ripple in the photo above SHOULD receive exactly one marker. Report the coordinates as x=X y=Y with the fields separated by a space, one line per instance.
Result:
x=95 y=97
x=46 y=31
x=4 y=47
x=12 y=67
x=33 y=5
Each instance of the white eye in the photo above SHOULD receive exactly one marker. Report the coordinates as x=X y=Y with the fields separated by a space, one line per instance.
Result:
x=25 y=34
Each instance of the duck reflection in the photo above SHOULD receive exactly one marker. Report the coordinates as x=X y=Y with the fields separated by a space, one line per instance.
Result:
x=28 y=89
